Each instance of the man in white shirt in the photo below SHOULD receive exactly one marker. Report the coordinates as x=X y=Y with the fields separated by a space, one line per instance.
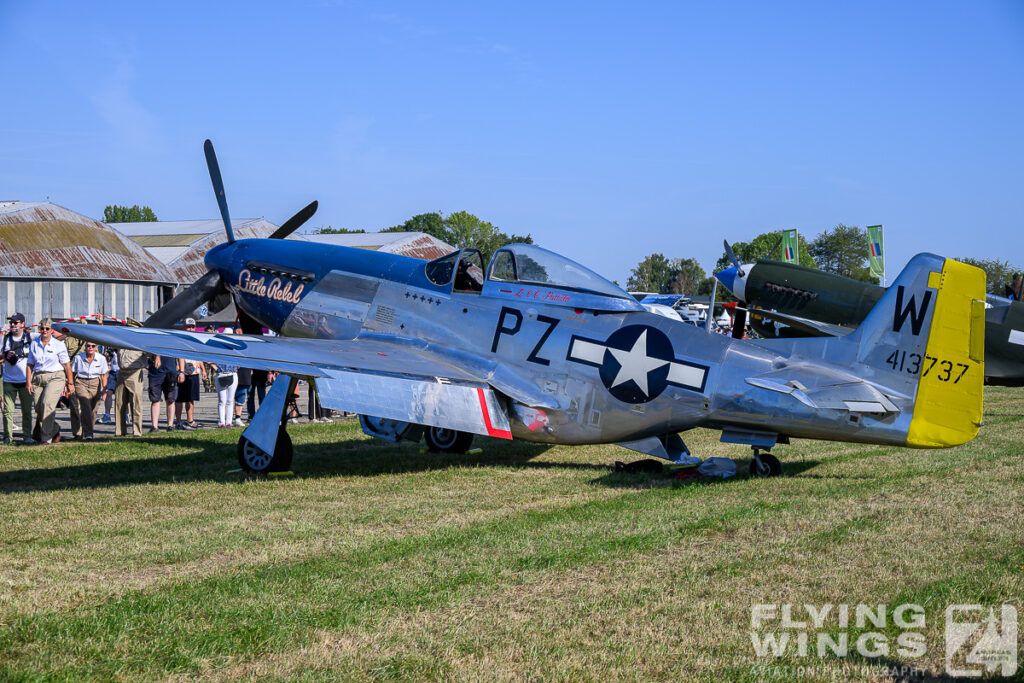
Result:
x=48 y=370
x=14 y=355
x=90 y=371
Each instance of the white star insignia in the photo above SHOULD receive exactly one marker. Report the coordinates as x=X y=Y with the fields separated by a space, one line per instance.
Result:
x=635 y=364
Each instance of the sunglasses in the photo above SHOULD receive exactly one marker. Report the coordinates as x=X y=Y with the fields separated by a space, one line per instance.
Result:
x=44 y=329
x=90 y=346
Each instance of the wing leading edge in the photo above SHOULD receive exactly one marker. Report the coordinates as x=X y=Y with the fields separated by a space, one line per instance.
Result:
x=369 y=377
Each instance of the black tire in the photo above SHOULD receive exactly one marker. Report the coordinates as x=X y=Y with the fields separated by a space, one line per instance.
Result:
x=253 y=459
x=769 y=466
x=440 y=440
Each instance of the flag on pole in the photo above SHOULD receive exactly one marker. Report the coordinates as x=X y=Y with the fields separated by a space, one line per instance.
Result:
x=790 y=246
x=876 y=255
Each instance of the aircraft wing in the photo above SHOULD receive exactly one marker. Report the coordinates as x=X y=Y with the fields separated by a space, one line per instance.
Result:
x=404 y=380
x=811 y=328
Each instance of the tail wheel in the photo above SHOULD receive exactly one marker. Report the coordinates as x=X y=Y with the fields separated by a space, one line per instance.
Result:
x=765 y=465
x=441 y=440
x=252 y=458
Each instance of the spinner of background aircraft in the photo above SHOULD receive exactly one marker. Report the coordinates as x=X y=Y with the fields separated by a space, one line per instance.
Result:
x=535 y=346
x=811 y=302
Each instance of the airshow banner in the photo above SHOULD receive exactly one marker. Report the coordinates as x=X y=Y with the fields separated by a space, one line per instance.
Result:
x=790 y=247
x=876 y=256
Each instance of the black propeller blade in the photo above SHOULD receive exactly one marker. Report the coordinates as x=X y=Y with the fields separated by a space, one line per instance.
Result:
x=210 y=287
x=218 y=187
x=732 y=257
x=191 y=298
x=295 y=222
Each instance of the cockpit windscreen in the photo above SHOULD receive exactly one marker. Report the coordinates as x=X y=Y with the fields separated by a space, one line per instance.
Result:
x=531 y=265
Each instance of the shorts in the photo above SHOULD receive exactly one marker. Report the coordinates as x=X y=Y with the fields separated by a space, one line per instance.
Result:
x=163 y=383
x=111 y=381
x=188 y=391
x=240 y=395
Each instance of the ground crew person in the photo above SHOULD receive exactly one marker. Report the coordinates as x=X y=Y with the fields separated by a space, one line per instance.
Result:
x=129 y=388
x=47 y=358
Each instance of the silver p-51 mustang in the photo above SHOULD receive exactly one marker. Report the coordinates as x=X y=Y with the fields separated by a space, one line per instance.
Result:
x=534 y=346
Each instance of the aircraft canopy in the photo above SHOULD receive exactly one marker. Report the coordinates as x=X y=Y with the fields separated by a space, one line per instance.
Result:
x=529 y=264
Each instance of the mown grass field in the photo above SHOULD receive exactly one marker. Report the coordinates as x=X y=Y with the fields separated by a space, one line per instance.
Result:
x=148 y=560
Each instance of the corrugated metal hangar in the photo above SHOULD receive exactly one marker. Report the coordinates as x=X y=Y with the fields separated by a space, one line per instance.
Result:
x=58 y=263
x=414 y=244
x=181 y=245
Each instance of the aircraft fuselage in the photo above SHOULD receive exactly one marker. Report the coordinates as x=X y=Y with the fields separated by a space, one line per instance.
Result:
x=605 y=376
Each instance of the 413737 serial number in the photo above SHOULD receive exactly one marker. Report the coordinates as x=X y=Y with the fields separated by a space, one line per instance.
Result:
x=914 y=363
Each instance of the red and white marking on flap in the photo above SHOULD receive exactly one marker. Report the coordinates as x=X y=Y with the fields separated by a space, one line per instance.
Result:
x=491 y=430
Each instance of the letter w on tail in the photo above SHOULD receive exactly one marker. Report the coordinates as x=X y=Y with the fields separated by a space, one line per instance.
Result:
x=916 y=314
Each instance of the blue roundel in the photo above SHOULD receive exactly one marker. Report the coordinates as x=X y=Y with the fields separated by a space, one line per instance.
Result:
x=636 y=364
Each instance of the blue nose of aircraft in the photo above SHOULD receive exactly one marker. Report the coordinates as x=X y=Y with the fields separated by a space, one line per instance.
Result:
x=727 y=277
x=219 y=257
x=734 y=282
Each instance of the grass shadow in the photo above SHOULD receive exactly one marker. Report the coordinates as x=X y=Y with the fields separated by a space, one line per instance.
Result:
x=659 y=480
x=196 y=458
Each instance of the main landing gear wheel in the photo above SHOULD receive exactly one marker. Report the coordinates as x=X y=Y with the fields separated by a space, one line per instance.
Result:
x=440 y=440
x=254 y=459
x=765 y=465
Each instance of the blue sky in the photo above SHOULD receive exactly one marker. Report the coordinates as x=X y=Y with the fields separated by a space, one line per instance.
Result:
x=608 y=131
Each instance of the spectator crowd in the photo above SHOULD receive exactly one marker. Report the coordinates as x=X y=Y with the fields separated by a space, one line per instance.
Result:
x=43 y=372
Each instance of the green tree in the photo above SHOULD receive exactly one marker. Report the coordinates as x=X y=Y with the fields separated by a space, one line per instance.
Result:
x=707 y=284
x=843 y=250
x=461 y=229
x=661 y=275
x=336 y=231
x=114 y=213
x=654 y=274
x=688 y=277
x=767 y=245
x=998 y=274
x=430 y=223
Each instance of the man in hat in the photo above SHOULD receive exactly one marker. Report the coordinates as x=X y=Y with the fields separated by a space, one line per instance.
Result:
x=48 y=372
x=14 y=354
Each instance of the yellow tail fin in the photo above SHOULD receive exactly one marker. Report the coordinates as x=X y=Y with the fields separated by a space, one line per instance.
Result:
x=948 y=405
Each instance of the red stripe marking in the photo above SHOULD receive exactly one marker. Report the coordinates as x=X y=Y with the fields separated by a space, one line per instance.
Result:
x=491 y=431
x=505 y=291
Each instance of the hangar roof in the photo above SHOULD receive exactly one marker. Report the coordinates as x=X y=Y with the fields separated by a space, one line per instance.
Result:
x=181 y=245
x=41 y=240
x=415 y=244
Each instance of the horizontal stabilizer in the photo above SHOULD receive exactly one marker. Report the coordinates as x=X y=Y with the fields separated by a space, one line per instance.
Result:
x=825 y=388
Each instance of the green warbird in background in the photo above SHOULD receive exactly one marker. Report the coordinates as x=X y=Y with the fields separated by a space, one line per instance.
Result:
x=788 y=300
